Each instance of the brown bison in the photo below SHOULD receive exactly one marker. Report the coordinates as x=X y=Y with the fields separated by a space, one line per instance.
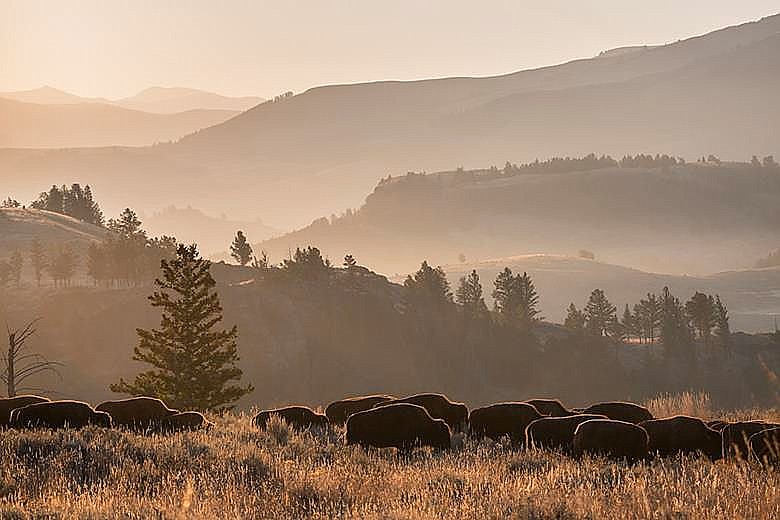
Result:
x=502 y=419
x=682 y=434
x=58 y=414
x=736 y=437
x=136 y=412
x=439 y=407
x=555 y=433
x=765 y=446
x=339 y=411
x=403 y=426
x=717 y=425
x=549 y=407
x=615 y=439
x=298 y=417
x=181 y=422
x=620 y=411
x=9 y=404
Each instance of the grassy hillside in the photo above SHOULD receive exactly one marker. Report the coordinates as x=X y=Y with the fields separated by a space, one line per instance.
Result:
x=321 y=150
x=692 y=218
x=237 y=471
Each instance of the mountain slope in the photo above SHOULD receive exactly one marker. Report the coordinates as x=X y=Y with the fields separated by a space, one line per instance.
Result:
x=95 y=124
x=322 y=150
x=49 y=96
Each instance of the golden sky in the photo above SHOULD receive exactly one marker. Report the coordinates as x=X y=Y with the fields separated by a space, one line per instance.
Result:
x=115 y=48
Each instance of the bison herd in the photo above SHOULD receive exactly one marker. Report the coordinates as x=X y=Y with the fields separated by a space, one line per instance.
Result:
x=145 y=414
x=618 y=430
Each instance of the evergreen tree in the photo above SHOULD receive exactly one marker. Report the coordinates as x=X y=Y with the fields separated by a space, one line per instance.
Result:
x=240 y=249
x=38 y=260
x=127 y=225
x=527 y=312
x=628 y=324
x=701 y=313
x=97 y=265
x=306 y=264
x=600 y=314
x=349 y=261
x=575 y=319
x=675 y=331
x=63 y=266
x=648 y=314
x=469 y=296
x=193 y=363
x=504 y=293
x=15 y=263
x=722 y=327
x=262 y=262
x=428 y=288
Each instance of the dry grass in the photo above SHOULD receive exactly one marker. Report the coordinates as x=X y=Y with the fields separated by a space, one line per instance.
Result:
x=235 y=471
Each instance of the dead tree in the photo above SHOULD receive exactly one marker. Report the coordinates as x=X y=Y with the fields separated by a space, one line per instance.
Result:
x=21 y=364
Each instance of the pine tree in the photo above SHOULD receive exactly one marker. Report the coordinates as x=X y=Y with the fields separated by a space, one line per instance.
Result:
x=428 y=288
x=648 y=314
x=38 y=260
x=600 y=314
x=722 y=327
x=504 y=293
x=527 y=312
x=701 y=313
x=240 y=249
x=193 y=363
x=628 y=324
x=575 y=319
x=63 y=266
x=15 y=263
x=97 y=265
x=469 y=296
x=675 y=330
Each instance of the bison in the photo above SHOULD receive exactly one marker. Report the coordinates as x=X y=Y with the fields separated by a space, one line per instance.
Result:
x=9 y=404
x=180 y=422
x=339 y=411
x=717 y=425
x=615 y=439
x=298 y=417
x=502 y=419
x=439 y=407
x=736 y=437
x=403 y=426
x=556 y=433
x=550 y=407
x=59 y=414
x=620 y=411
x=765 y=446
x=682 y=434
x=139 y=413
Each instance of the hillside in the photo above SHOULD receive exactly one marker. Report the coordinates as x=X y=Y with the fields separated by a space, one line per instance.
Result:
x=691 y=218
x=30 y=125
x=329 y=145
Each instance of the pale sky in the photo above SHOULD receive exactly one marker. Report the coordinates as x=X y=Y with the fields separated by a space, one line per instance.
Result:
x=115 y=48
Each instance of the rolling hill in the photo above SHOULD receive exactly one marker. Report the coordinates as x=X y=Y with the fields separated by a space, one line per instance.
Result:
x=170 y=100
x=690 y=218
x=322 y=150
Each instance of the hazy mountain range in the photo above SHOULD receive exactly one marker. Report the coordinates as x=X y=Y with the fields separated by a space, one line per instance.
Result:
x=50 y=118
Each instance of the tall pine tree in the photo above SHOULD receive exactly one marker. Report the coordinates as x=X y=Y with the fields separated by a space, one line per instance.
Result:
x=193 y=362
x=240 y=249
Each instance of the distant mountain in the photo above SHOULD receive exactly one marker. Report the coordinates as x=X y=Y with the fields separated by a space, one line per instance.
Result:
x=693 y=218
x=212 y=234
x=49 y=96
x=320 y=151
x=169 y=100
x=32 y=125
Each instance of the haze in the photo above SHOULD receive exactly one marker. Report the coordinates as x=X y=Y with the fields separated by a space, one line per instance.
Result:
x=115 y=49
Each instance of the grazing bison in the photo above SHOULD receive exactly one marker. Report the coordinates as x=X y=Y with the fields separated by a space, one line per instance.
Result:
x=298 y=417
x=58 y=414
x=439 y=407
x=717 y=425
x=620 y=411
x=765 y=446
x=180 y=422
x=550 y=407
x=137 y=412
x=615 y=439
x=556 y=433
x=338 y=412
x=9 y=404
x=736 y=437
x=403 y=426
x=682 y=434
x=497 y=420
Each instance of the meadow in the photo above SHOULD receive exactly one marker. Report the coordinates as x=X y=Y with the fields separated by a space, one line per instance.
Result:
x=237 y=471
